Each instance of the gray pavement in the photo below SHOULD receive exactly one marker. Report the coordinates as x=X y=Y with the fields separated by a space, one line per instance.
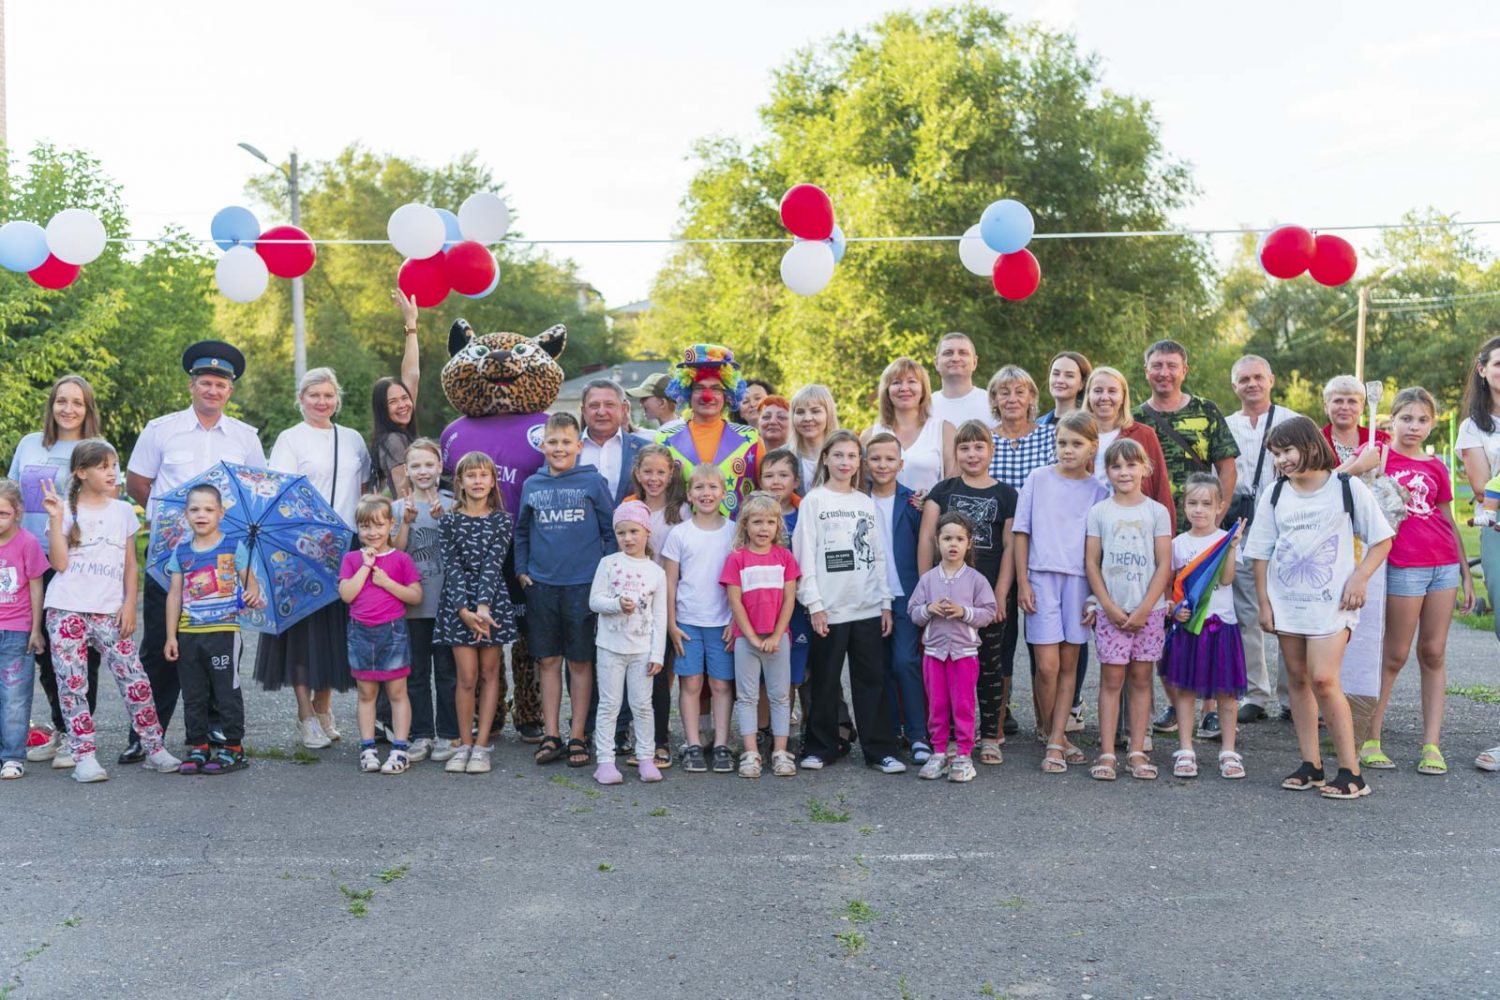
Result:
x=311 y=880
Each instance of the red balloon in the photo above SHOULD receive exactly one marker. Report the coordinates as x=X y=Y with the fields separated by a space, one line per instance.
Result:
x=1017 y=275
x=470 y=267
x=427 y=279
x=1287 y=252
x=53 y=273
x=286 y=260
x=807 y=212
x=1334 y=261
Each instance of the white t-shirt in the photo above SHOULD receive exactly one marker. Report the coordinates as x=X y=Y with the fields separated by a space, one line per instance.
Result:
x=1309 y=546
x=1470 y=436
x=700 y=556
x=1105 y=440
x=308 y=451
x=1128 y=537
x=1248 y=439
x=885 y=512
x=94 y=581
x=922 y=463
x=974 y=405
x=1187 y=547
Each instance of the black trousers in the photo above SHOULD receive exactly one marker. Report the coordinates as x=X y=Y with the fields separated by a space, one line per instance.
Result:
x=165 y=686
x=49 y=679
x=208 y=672
x=863 y=644
x=996 y=659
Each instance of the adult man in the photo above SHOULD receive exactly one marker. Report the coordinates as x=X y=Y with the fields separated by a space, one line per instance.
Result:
x=959 y=399
x=655 y=404
x=606 y=445
x=170 y=451
x=1253 y=381
x=706 y=379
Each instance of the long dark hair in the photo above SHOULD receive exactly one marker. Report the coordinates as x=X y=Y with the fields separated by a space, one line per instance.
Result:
x=1477 y=392
x=382 y=425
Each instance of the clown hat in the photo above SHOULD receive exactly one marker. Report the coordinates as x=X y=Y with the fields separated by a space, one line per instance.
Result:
x=707 y=363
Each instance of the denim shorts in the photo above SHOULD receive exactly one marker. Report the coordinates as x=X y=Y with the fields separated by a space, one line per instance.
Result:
x=559 y=622
x=1419 y=581
x=379 y=652
x=704 y=651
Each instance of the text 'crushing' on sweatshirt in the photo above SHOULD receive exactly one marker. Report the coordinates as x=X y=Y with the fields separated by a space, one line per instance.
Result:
x=838 y=546
x=563 y=528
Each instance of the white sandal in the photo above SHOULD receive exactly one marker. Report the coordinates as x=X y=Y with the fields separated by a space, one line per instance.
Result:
x=1184 y=764
x=1489 y=760
x=1231 y=764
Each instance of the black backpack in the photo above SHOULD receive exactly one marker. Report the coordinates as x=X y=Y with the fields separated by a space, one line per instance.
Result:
x=1343 y=481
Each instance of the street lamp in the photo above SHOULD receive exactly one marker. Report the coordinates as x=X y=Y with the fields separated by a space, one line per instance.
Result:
x=299 y=324
x=1362 y=306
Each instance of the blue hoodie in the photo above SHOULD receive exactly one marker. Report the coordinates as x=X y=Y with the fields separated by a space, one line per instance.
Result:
x=564 y=527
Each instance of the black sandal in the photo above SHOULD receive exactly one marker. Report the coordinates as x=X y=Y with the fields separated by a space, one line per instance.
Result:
x=1347 y=785
x=1307 y=776
x=578 y=753
x=549 y=750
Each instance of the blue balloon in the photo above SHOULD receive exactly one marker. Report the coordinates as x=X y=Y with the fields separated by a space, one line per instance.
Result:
x=23 y=246
x=234 y=226
x=1006 y=226
x=450 y=227
x=494 y=283
x=838 y=243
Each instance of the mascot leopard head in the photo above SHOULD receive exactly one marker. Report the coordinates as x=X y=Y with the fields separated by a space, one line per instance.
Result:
x=497 y=373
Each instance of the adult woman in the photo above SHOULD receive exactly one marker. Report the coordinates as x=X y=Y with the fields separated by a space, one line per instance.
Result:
x=1066 y=377
x=1107 y=396
x=775 y=422
x=756 y=391
x=393 y=405
x=1478 y=448
x=1344 y=402
x=905 y=401
x=814 y=418
x=1021 y=442
x=312 y=654
x=70 y=416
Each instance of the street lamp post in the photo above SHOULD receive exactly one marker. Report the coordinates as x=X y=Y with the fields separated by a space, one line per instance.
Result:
x=299 y=324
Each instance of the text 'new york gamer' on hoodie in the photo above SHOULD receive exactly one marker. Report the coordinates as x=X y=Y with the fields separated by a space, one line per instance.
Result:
x=563 y=527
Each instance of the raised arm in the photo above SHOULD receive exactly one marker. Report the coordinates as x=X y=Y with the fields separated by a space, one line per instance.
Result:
x=411 y=355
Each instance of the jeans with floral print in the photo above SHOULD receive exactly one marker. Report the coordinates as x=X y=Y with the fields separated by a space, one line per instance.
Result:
x=71 y=634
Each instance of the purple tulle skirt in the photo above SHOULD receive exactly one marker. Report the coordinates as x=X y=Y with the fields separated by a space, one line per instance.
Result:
x=1209 y=664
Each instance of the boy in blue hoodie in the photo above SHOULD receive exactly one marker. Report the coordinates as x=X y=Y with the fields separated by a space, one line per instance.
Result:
x=563 y=530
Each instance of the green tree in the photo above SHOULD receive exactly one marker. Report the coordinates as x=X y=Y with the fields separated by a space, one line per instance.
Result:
x=913 y=126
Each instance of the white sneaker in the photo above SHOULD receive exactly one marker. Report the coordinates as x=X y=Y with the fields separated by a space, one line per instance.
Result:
x=11 y=770
x=962 y=769
x=812 y=762
x=442 y=749
x=891 y=765
x=935 y=768
x=47 y=751
x=420 y=749
x=313 y=736
x=325 y=719
x=459 y=762
x=88 y=770
x=369 y=761
x=162 y=761
x=63 y=760
x=479 y=761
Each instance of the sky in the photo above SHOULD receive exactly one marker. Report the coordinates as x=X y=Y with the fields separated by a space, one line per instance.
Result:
x=1315 y=113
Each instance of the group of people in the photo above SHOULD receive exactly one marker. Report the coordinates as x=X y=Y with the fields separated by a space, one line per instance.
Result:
x=765 y=553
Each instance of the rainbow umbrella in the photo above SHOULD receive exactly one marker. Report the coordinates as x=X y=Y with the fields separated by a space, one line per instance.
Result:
x=1195 y=582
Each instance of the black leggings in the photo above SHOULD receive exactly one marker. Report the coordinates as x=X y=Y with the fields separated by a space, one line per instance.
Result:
x=862 y=642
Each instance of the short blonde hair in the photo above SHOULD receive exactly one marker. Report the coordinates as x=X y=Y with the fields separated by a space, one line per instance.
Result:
x=319 y=376
x=903 y=366
x=759 y=502
x=1341 y=385
x=1127 y=419
x=373 y=506
x=1011 y=373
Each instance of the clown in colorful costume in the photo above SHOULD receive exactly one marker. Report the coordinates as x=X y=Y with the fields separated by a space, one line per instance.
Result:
x=707 y=379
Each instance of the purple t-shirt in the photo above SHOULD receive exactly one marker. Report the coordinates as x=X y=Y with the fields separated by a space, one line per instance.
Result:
x=1054 y=512
x=375 y=605
x=513 y=440
x=21 y=561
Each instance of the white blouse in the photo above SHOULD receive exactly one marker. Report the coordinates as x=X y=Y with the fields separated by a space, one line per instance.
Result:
x=922 y=463
x=309 y=451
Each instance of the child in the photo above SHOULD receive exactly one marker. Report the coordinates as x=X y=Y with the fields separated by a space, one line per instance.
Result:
x=1307 y=524
x=21 y=567
x=419 y=513
x=1129 y=561
x=210 y=582
x=760 y=577
x=952 y=601
x=900 y=524
x=780 y=475
x=562 y=531
x=91 y=602
x=1210 y=664
x=990 y=506
x=1425 y=568
x=379 y=583
x=848 y=598
x=629 y=594
x=1051 y=579
x=814 y=418
x=656 y=482
x=698 y=616
x=474 y=616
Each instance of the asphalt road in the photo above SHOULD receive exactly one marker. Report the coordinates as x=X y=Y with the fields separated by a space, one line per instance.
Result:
x=312 y=880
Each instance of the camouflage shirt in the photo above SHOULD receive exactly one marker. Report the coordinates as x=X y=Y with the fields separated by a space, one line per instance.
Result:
x=1200 y=423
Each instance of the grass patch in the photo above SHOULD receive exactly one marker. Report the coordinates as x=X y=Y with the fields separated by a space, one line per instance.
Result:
x=302 y=755
x=266 y=753
x=859 y=912
x=358 y=900
x=73 y=921
x=660 y=811
x=852 y=941
x=818 y=812
x=563 y=781
x=1012 y=903
x=1481 y=623
x=392 y=874
x=1485 y=694
x=865 y=831
x=605 y=866
x=34 y=951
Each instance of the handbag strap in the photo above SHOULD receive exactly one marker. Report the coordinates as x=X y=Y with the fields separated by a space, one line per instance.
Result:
x=1385 y=454
x=1260 y=460
x=1164 y=424
x=333 y=492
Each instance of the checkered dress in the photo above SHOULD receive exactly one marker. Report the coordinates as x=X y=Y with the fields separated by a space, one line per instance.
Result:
x=1014 y=459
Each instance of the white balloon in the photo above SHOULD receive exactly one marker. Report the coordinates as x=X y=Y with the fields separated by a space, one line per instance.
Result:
x=241 y=274
x=75 y=236
x=807 y=267
x=976 y=254
x=416 y=231
x=483 y=217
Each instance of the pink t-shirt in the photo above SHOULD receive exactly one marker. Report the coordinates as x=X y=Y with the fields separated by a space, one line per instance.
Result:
x=21 y=561
x=376 y=605
x=1425 y=538
x=762 y=580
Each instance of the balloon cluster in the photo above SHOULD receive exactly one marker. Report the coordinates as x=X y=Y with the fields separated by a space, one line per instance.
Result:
x=251 y=256
x=807 y=213
x=1291 y=251
x=53 y=257
x=996 y=248
x=446 y=252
